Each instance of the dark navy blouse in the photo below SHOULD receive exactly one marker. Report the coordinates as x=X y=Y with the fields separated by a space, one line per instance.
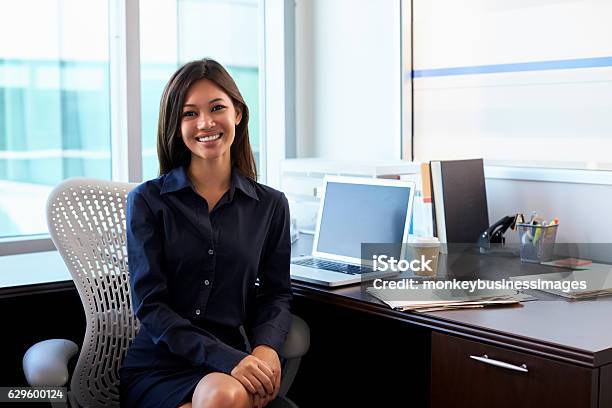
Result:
x=191 y=270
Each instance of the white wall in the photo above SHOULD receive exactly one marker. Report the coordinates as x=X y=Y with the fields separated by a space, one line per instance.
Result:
x=583 y=209
x=348 y=79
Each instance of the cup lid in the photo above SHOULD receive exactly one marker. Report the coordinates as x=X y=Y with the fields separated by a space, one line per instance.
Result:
x=425 y=241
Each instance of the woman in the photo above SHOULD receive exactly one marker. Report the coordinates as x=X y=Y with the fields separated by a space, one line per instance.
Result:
x=209 y=252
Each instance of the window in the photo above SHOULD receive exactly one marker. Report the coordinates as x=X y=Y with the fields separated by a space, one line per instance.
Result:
x=523 y=82
x=54 y=104
x=177 y=31
x=59 y=88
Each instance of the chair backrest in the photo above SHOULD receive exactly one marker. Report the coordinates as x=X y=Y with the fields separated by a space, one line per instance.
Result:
x=86 y=219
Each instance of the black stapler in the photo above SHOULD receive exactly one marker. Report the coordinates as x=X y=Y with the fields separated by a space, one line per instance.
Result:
x=495 y=233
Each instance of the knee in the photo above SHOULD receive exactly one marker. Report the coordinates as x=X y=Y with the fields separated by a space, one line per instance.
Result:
x=227 y=396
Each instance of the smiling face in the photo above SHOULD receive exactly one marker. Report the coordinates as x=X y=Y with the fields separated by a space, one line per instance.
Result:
x=208 y=122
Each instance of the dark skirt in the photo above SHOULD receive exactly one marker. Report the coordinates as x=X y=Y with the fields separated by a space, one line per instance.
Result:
x=159 y=387
x=169 y=384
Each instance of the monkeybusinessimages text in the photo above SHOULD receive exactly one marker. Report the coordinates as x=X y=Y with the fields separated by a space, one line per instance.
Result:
x=383 y=263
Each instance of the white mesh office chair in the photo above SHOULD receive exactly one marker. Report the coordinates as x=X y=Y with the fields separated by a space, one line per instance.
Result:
x=86 y=219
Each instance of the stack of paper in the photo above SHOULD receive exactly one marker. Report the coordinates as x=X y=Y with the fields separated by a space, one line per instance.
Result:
x=431 y=300
x=594 y=281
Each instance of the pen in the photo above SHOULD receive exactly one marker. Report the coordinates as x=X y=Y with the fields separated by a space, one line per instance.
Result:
x=533 y=217
x=537 y=234
x=525 y=238
x=534 y=222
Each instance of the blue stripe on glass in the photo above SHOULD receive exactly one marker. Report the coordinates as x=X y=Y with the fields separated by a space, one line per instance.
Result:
x=516 y=67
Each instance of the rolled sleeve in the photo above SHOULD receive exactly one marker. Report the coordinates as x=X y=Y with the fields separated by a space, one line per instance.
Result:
x=149 y=286
x=272 y=317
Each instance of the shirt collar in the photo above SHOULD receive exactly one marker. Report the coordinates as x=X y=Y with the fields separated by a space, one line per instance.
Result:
x=243 y=183
x=177 y=179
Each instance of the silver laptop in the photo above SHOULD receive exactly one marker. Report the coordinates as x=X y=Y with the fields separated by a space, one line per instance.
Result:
x=354 y=211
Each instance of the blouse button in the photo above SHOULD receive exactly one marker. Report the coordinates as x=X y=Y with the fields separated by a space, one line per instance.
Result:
x=210 y=252
x=206 y=282
x=197 y=312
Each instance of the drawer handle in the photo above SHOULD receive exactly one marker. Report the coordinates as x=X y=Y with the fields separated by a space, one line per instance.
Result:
x=485 y=359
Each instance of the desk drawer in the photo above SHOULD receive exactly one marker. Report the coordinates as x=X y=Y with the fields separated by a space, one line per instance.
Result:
x=461 y=376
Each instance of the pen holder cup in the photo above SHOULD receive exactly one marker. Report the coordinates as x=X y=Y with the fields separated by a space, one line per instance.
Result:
x=537 y=242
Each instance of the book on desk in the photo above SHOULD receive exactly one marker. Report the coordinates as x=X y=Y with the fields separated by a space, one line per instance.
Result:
x=459 y=197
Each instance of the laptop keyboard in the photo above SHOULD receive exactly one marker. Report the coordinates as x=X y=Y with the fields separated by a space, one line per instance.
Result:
x=332 y=266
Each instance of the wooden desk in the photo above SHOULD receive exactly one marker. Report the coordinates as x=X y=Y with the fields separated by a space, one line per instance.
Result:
x=565 y=346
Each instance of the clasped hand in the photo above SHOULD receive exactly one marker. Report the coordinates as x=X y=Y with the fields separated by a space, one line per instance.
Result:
x=260 y=374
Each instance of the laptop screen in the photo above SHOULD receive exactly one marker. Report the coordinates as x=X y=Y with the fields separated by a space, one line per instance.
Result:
x=361 y=213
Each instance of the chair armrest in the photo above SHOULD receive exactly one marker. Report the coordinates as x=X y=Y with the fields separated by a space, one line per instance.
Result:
x=298 y=339
x=46 y=362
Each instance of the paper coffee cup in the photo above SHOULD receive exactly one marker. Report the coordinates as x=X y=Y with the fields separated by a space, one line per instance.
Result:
x=425 y=250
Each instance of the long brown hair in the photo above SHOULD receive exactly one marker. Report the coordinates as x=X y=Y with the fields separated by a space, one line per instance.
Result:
x=171 y=149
